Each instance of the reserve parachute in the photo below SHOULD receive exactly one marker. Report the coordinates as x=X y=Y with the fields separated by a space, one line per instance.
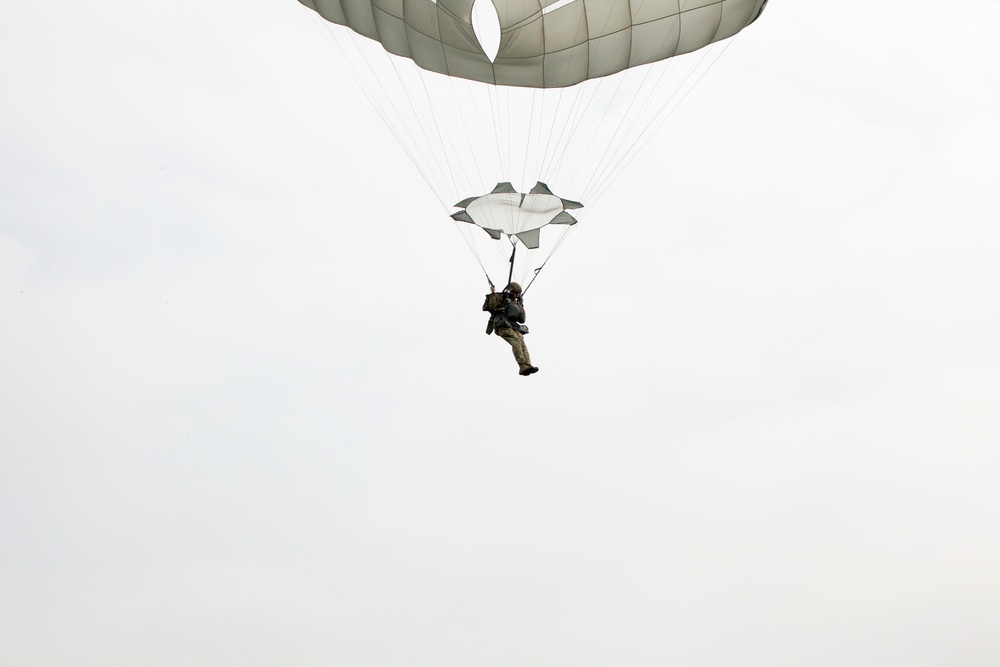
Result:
x=517 y=112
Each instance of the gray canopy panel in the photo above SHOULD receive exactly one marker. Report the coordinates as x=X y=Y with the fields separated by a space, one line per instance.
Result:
x=543 y=43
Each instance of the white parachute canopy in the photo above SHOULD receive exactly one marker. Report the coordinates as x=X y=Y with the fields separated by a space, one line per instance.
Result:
x=505 y=211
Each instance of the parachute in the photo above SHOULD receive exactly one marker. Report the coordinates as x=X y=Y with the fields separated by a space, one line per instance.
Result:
x=536 y=209
x=517 y=111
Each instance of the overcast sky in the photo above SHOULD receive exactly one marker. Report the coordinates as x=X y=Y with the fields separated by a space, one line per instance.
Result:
x=248 y=415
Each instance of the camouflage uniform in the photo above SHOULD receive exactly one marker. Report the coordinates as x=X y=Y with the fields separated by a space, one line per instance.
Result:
x=516 y=340
x=506 y=317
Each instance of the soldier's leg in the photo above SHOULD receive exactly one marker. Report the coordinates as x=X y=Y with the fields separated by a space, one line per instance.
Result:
x=523 y=358
x=516 y=342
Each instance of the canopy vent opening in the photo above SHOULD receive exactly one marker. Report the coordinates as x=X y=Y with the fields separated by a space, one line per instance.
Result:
x=486 y=24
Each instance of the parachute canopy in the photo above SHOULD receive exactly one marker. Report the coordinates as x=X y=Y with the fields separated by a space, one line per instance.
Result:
x=543 y=43
x=514 y=100
x=507 y=211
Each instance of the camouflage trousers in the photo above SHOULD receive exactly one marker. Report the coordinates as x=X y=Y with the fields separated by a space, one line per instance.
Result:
x=516 y=340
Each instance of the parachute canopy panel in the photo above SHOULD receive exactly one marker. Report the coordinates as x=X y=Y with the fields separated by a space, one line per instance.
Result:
x=505 y=211
x=543 y=43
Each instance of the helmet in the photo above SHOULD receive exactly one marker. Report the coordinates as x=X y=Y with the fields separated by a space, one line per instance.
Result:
x=514 y=288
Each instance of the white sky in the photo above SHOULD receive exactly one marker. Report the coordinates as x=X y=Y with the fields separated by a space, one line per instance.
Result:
x=248 y=415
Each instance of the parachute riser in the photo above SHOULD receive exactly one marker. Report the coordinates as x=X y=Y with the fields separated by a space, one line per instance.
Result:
x=510 y=275
x=528 y=286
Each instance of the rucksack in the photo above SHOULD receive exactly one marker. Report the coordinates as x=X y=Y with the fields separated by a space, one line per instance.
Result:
x=494 y=302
